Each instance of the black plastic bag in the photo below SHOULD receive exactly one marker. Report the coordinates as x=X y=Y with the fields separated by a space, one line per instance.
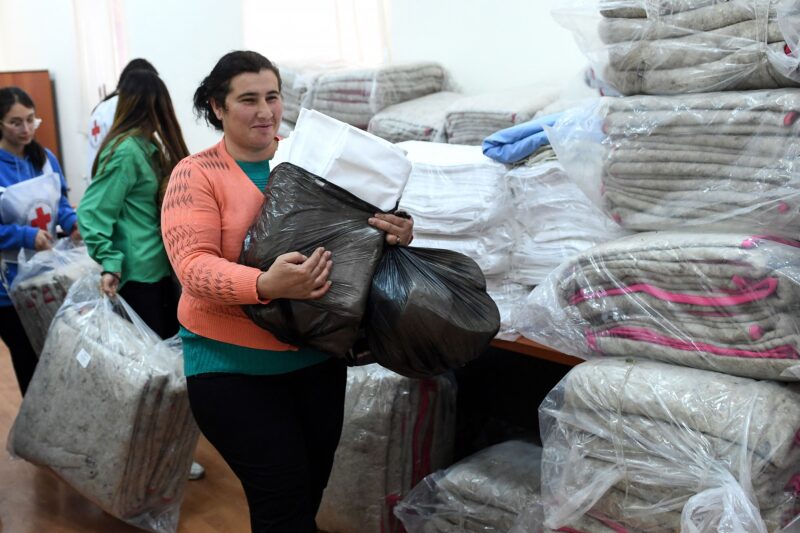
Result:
x=428 y=311
x=302 y=212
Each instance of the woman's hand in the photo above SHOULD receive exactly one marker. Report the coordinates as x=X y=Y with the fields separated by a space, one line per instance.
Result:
x=109 y=283
x=75 y=235
x=296 y=276
x=399 y=230
x=43 y=241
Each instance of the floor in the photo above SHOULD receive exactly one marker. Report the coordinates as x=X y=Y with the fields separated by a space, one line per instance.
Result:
x=33 y=500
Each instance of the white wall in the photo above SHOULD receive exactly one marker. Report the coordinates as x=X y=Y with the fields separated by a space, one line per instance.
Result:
x=486 y=44
x=184 y=40
x=48 y=43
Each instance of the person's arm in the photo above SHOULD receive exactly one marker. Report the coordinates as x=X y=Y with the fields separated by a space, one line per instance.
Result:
x=16 y=236
x=101 y=205
x=190 y=226
x=66 y=217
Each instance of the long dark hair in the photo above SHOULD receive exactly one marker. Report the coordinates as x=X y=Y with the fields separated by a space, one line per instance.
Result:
x=145 y=110
x=216 y=85
x=14 y=95
x=133 y=64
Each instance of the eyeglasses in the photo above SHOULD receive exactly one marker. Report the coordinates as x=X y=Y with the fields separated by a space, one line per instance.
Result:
x=19 y=124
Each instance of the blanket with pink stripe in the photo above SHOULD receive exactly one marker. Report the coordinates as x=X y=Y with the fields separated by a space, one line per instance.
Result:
x=720 y=301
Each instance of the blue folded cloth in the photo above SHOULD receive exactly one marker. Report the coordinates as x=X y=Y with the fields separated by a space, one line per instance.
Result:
x=518 y=142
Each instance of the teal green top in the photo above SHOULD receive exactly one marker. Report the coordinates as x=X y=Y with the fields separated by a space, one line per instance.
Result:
x=118 y=215
x=202 y=355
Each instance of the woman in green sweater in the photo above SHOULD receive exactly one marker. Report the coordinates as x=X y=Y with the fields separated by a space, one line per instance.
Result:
x=120 y=211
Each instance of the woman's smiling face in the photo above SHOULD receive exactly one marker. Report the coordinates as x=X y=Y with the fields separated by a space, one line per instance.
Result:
x=251 y=115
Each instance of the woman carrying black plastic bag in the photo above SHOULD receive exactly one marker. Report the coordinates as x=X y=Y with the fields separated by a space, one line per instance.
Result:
x=273 y=412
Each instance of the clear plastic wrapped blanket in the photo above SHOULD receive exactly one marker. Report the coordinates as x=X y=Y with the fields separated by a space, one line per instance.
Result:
x=658 y=447
x=687 y=46
x=719 y=160
x=721 y=301
x=354 y=94
x=471 y=119
x=460 y=201
x=556 y=220
x=420 y=119
x=107 y=410
x=483 y=493
x=42 y=282
x=396 y=431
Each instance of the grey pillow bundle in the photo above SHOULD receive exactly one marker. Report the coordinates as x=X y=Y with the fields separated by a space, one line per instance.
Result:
x=677 y=47
x=719 y=301
x=41 y=285
x=637 y=441
x=396 y=431
x=107 y=410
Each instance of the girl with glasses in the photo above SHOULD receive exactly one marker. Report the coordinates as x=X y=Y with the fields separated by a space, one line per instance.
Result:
x=33 y=201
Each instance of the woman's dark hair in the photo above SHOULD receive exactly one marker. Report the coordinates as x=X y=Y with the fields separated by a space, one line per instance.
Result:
x=145 y=110
x=14 y=95
x=215 y=86
x=133 y=65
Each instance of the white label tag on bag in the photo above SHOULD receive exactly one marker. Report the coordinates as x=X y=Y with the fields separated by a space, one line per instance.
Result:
x=83 y=358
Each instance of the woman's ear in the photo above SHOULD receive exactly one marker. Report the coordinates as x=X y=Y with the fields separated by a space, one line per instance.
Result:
x=216 y=108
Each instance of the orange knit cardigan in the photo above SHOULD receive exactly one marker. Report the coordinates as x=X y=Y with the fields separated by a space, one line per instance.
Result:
x=209 y=205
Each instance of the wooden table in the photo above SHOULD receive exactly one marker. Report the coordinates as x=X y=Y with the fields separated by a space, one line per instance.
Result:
x=532 y=349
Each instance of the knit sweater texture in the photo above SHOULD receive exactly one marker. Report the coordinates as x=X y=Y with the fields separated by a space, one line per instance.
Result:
x=209 y=206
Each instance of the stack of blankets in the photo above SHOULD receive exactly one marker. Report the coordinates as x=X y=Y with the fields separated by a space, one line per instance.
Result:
x=483 y=493
x=691 y=46
x=556 y=220
x=354 y=95
x=297 y=83
x=634 y=442
x=396 y=431
x=420 y=119
x=721 y=301
x=41 y=285
x=108 y=411
x=473 y=118
x=460 y=202
x=719 y=160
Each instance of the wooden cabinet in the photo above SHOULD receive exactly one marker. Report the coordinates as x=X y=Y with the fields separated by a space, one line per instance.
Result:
x=39 y=86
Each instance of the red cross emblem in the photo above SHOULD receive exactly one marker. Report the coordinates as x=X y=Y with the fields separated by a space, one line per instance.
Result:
x=95 y=129
x=42 y=219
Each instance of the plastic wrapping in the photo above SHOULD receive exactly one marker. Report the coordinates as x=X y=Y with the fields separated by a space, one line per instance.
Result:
x=471 y=119
x=556 y=220
x=41 y=284
x=428 y=311
x=717 y=161
x=720 y=301
x=687 y=46
x=366 y=166
x=302 y=212
x=509 y=297
x=354 y=94
x=396 y=431
x=658 y=447
x=420 y=119
x=460 y=201
x=297 y=84
x=107 y=410
x=484 y=493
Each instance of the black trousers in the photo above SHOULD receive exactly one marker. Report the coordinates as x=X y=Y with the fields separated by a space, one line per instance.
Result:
x=23 y=357
x=278 y=434
x=156 y=303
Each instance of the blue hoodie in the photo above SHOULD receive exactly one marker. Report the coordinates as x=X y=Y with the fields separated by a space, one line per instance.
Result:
x=13 y=170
